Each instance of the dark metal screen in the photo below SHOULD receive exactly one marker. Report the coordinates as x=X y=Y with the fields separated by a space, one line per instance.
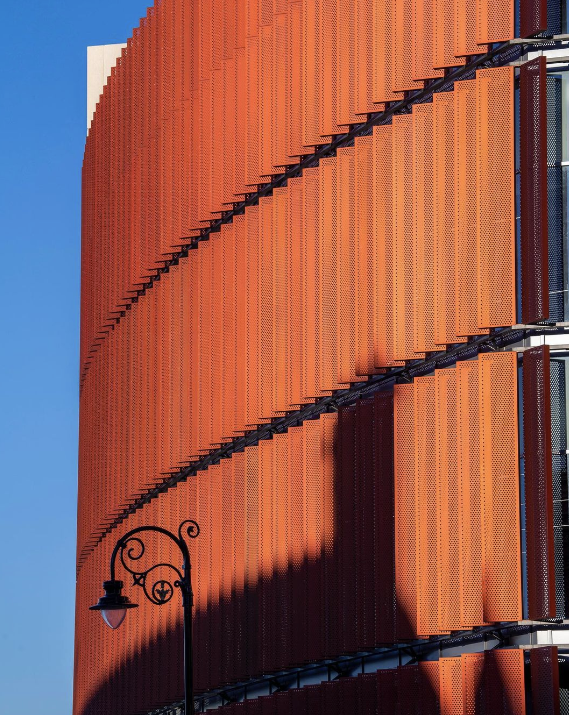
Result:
x=555 y=199
x=559 y=479
x=533 y=17
x=533 y=165
x=538 y=486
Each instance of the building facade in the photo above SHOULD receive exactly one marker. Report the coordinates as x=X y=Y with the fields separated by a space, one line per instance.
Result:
x=324 y=314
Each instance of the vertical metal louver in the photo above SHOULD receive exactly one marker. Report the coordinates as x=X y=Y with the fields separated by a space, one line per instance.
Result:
x=559 y=475
x=555 y=199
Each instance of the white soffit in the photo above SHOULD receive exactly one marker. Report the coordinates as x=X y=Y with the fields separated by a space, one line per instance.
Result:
x=100 y=61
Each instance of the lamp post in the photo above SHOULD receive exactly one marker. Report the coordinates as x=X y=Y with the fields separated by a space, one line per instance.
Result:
x=114 y=606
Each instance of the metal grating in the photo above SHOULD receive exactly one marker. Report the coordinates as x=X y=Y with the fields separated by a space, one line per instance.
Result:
x=555 y=200
x=559 y=480
x=538 y=483
x=534 y=191
x=544 y=666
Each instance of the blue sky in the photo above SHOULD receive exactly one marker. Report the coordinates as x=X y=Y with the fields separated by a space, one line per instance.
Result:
x=42 y=134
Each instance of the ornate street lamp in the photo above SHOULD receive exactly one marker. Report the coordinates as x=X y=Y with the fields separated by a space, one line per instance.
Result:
x=114 y=606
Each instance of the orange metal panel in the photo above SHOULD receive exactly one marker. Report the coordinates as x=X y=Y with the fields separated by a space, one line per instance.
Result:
x=500 y=487
x=405 y=512
x=281 y=87
x=465 y=39
x=346 y=63
x=312 y=333
x=217 y=367
x=383 y=31
x=266 y=99
x=266 y=549
x=281 y=301
x=466 y=260
x=445 y=224
x=281 y=544
x=424 y=37
x=403 y=39
x=295 y=146
x=241 y=327
x=266 y=309
x=445 y=28
x=504 y=680
x=312 y=474
x=472 y=682
x=450 y=679
x=205 y=348
x=296 y=287
x=311 y=69
x=364 y=59
x=496 y=198
x=328 y=77
x=423 y=223
x=427 y=508
x=346 y=258
x=328 y=276
x=495 y=21
x=228 y=333
x=470 y=493
x=252 y=140
x=383 y=239
x=365 y=257
x=252 y=219
x=403 y=249
x=447 y=479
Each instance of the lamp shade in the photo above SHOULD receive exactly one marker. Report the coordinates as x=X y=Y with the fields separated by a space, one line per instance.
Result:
x=113 y=605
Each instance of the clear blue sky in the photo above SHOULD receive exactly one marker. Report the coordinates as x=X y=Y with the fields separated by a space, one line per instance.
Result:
x=42 y=134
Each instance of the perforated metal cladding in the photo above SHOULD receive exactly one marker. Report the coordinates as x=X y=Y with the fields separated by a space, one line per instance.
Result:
x=500 y=480
x=555 y=199
x=328 y=274
x=423 y=222
x=448 y=485
x=449 y=538
x=455 y=686
x=559 y=477
x=365 y=42
x=466 y=252
x=403 y=254
x=504 y=682
x=444 y=171
x=534 y=201
x=428 y=552
x=451 y=695
x=423 y=57
x=495 y=22
x=533 y=17
x=466 y=17
x=496 y=219
x=348 y=284
x=383 y=26
x=544 y=665
x=470 y=493
x=538 y=483
x=473 y=683
x=265 y=316
x=445 y=28
x=405 y=512
x=328 y=46
x=403 y=17
x=383 y=232
x=346 y=62
x=384 y=517
x=311 y=72
x=365 y=258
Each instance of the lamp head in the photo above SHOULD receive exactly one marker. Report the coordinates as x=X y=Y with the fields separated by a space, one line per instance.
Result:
x=113 y=605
